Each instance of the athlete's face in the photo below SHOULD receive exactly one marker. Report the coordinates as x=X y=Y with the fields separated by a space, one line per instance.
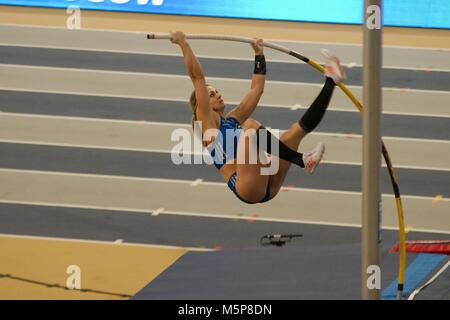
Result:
x=215 y=100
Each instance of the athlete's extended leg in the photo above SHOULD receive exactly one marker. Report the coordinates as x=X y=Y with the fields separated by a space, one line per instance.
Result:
x=334 y=74
x=251 y=185
x=309 y=121
x=290 y=140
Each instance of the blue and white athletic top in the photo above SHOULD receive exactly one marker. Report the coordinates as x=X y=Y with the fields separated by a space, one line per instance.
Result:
x=224 y=147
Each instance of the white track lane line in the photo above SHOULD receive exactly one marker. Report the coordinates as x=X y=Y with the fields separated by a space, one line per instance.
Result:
x=188 y=126
x=173 y=76
x=283 y=106
x=268 y=39
x=214 y=216
x=114 y=243
x=205 y=154
x=189 y=182
x=203 y=56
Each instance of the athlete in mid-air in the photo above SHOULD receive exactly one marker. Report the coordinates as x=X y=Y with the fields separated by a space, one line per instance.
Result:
x=245 y=177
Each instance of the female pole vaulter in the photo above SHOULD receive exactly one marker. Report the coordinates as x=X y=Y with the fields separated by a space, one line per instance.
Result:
x=247 y=136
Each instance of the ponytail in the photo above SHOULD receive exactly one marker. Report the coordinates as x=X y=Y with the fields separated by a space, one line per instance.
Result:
x=193 y=106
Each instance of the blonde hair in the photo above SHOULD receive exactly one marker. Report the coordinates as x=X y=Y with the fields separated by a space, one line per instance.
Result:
x=193 y=106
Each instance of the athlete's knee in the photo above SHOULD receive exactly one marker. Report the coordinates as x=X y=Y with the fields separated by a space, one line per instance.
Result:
x=250 y=127
x=251 y=124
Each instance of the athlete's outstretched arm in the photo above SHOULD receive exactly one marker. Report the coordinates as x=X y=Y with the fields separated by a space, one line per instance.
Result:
x=195 y=72
x=244 y=110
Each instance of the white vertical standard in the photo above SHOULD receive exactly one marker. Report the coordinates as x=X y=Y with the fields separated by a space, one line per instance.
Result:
x=372 y=100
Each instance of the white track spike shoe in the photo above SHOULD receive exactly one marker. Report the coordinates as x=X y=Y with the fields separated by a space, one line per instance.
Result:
x=313 y=158
x=333 y=68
